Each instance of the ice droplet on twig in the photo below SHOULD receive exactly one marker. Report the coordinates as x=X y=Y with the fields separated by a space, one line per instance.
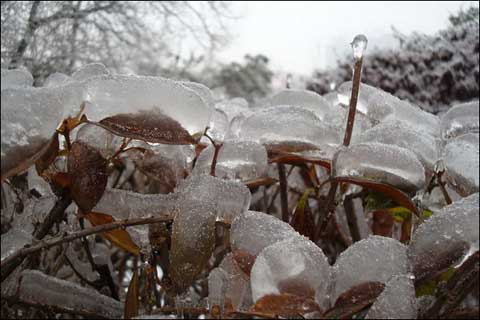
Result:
x=373 y=259
x=359 y=45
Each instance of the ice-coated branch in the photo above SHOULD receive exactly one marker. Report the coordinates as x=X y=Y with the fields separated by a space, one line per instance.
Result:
x=12 y=260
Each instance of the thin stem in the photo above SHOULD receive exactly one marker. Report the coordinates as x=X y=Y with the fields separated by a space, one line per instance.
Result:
x=283 y=191
x=357 y=74
x=7 y=263
x=441 y=184
x=351 y=218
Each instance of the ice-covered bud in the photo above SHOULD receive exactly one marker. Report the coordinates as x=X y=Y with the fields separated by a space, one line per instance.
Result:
x=359 y=45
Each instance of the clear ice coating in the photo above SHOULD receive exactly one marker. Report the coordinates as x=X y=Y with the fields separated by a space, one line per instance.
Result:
x=230 y=198
x=236 y=160
x=16 y=78
x=29 y=117
x=460 y=119
x=99 y=138
x=38 y=288
x=252 y=231
x=380 y=105
x=233 y=107
x=217 y=128
x=452 y=229
x=56 y=79
x=288 y=125
x=339 y=115
x=401 y=134
x=295 y=266
x=90 y=70
x=193 y=240
x=13 y=240
x=123 y=204
x=217 y=287
x=359 y=45
x=397 y=301
x=461 y=158
x=309 y=100
x=384 y=163
x=373 y=259
x=120 y=94
x=202 y=90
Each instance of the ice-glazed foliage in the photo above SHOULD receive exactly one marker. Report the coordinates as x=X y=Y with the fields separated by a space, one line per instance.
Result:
x=237 y=160
x=339 y=116
x=461 y=158
x=288 y=125
x=218 y=126
x=229 y=198
x=252 y=231
x=233 y=107
x=123 y=204
x=38 y=288
x=193 y=240
x=301 y=98
x=460 y=119
x=445 y=237
x=228 y=284
x=397 y=301
x=102 y=140
x=16 y=78
x=403 y=135
x=90 y=70
x=203 y=91
x=295 y=266
x=121 y=94
x=384 y=163
x=56 y=79
x=380 y=105
x=373 y=259
x=29 y=117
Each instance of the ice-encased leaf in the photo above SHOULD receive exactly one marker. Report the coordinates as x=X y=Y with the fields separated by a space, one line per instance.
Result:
x=37 y=288
x=236 y=160
x=252 y=231
x=122 y=94
x=14 y=240
x=238 y=289
x=339 y=115
x=89 y=71
x=384 y=163
x=230 y=198
x=193 y=240
x=373 y=259
x=218 y=127
x=123 y=204
x=461 y=158
x=99 y=138
x=233 y=108
x=403 y=135
x=202 y=90
x=309 y=100
x=56 y=79
x=397 y=301
x=16 y=78
x=460 y=119
x=445 y=237
x=295 y=266
x=380 y=105
x=29 y=117
x=288 y=126
x=217 y=287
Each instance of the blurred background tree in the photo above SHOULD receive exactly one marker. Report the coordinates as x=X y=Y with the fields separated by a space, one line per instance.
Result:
x=433 y=72
x=60 y=36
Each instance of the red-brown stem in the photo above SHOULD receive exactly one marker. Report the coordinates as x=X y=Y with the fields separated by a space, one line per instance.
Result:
x=441 y=184
x=283 y=191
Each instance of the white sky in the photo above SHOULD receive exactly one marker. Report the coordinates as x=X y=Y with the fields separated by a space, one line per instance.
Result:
x=301 y=36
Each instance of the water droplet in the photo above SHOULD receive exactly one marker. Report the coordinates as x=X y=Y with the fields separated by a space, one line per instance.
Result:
x=359 y=45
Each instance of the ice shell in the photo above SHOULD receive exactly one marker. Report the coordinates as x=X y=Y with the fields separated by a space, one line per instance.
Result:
x=16 y=78
x=460 y=119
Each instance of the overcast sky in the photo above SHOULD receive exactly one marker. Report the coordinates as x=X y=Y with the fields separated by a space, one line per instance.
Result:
x=301 y=36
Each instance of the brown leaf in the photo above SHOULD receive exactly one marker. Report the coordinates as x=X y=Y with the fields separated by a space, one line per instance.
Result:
x=393 y=193
x=167 y=172
x=296 y=159
x=382 y=223
x=88 y=170
x=131 y=300
x=287 y=147
x=119 y=237
x=302 y=218
x=244 y=260
x=49 y=156
x=286 y=305
x=266 y=181
x=149 y=126
x=20 y=158
x=355 y=299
